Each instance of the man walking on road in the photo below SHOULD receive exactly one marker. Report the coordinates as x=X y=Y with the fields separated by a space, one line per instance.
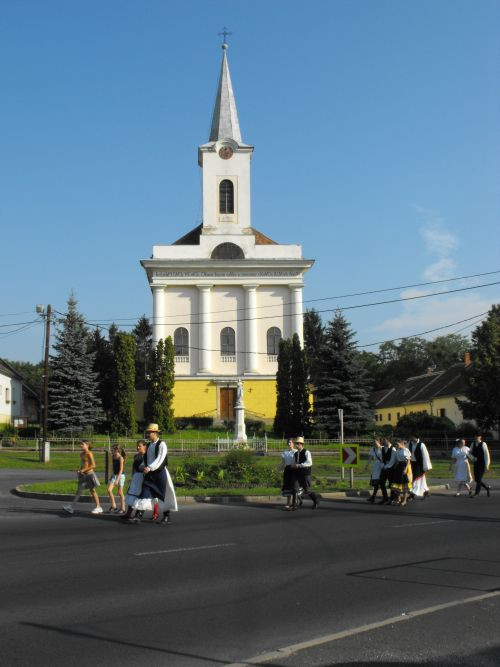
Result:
x=479 y=450
x=303 y=466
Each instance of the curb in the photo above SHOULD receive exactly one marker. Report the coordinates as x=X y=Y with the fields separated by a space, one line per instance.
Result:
x=224 y=500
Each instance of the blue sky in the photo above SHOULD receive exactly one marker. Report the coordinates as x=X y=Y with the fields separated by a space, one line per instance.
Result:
x=376 y=132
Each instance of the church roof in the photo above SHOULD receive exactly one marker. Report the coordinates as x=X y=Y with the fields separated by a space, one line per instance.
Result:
x=193 y=237
x=225 y=124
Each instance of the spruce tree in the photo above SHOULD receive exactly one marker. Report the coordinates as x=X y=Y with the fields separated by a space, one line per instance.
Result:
x=143 y=333
x=74 y=403
x=158 y=407
x=123 y=420
x=314 y=333
x=482 y=378
x=282 y=425
x=342 y=382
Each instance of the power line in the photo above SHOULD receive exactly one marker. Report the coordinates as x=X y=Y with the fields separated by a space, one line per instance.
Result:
x=325 y=298
x=423 y=333
x=327 y=310
x=15 y=324
x=6 y=334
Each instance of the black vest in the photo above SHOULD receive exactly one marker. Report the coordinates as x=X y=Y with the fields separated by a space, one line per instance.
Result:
x=386 y=453
x=301 y=457
x=478 y=452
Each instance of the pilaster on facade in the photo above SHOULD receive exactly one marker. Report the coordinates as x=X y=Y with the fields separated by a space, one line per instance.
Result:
x=297 y=312
x=252 y=364
x=159 y=312
x=204 y=328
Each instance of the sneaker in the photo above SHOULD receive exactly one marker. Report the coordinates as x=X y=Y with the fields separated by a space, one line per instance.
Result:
x=111 y=509
x=69 y=509
x=97 y=510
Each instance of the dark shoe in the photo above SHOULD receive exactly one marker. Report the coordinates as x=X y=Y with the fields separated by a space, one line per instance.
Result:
x=371 y=499
x=315 y=503
x=426 y=494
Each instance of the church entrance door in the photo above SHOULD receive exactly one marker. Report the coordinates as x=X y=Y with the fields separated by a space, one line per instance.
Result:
x=227 y=401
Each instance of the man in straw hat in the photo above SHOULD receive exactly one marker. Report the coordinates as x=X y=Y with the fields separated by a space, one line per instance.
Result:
x=158 y=492
x=303 y=466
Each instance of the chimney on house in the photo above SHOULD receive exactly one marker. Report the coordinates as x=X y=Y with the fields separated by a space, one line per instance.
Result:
x=467 y=359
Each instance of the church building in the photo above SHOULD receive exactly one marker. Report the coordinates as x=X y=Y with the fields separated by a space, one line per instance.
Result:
x=225 y=292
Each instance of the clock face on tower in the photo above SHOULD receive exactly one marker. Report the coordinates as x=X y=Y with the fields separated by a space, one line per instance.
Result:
x=225 y=152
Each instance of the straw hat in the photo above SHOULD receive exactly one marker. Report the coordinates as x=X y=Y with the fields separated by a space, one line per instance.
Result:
x=299 y=439
x=152 y=428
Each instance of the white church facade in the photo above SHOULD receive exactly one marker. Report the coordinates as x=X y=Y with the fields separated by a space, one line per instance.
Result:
x=225 y=292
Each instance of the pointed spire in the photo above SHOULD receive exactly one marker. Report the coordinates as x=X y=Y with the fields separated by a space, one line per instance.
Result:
x=225 y=124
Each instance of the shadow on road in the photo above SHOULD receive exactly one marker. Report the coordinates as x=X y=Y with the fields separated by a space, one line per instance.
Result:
x=121 y=642
x=409 y=513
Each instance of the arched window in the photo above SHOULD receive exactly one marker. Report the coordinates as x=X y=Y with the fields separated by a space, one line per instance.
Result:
x=226 y=196
x=273 y=341
x=227 y=251
x=181 y=342
x=227 y=342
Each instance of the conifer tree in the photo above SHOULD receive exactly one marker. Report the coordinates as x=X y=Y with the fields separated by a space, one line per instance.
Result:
x=158 y=407
x=342 y=382
x=123 y=421
x=143 y=333
x=300 y=408
x=292 y=390
x=282 y=425
x=74 y=403
x=483 y=376
x=104 y=369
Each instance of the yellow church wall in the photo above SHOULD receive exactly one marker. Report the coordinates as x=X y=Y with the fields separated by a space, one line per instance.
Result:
x=200 y=398
x=260 y=399
x=195 y=397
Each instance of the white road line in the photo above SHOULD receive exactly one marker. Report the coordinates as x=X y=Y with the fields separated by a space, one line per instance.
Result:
x=174 y=551
x=288 y=651
x=422 y=523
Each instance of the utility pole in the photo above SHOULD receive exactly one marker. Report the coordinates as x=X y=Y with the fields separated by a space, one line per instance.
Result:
x=45 y=448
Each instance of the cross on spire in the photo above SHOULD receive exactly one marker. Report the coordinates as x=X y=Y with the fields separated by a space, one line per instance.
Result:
x=224 y=33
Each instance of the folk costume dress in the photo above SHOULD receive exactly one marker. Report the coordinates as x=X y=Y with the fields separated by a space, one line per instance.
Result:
x=289 y=474
x=375 y=456
x=402 y=477
x=461 y=455
x=420 y=465
x=135 y=487
x=157 y=483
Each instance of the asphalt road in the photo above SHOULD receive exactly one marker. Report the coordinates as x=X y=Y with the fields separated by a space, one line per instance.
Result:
x=226 y=584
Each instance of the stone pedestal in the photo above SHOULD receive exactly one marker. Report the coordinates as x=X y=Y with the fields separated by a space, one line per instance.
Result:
x=240 y=434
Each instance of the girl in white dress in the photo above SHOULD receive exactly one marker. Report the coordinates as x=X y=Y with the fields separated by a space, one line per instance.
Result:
x=461 y=455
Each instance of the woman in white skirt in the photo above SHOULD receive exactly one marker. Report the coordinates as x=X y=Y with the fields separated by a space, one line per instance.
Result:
x=461 y=455
x=135 y=487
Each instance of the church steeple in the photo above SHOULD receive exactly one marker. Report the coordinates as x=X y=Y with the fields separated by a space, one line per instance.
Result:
x=225 y=124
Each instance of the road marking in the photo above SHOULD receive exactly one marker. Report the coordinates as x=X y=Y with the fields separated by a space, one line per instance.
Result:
x=422 y=523
x=288 y=651
x=174 y=551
